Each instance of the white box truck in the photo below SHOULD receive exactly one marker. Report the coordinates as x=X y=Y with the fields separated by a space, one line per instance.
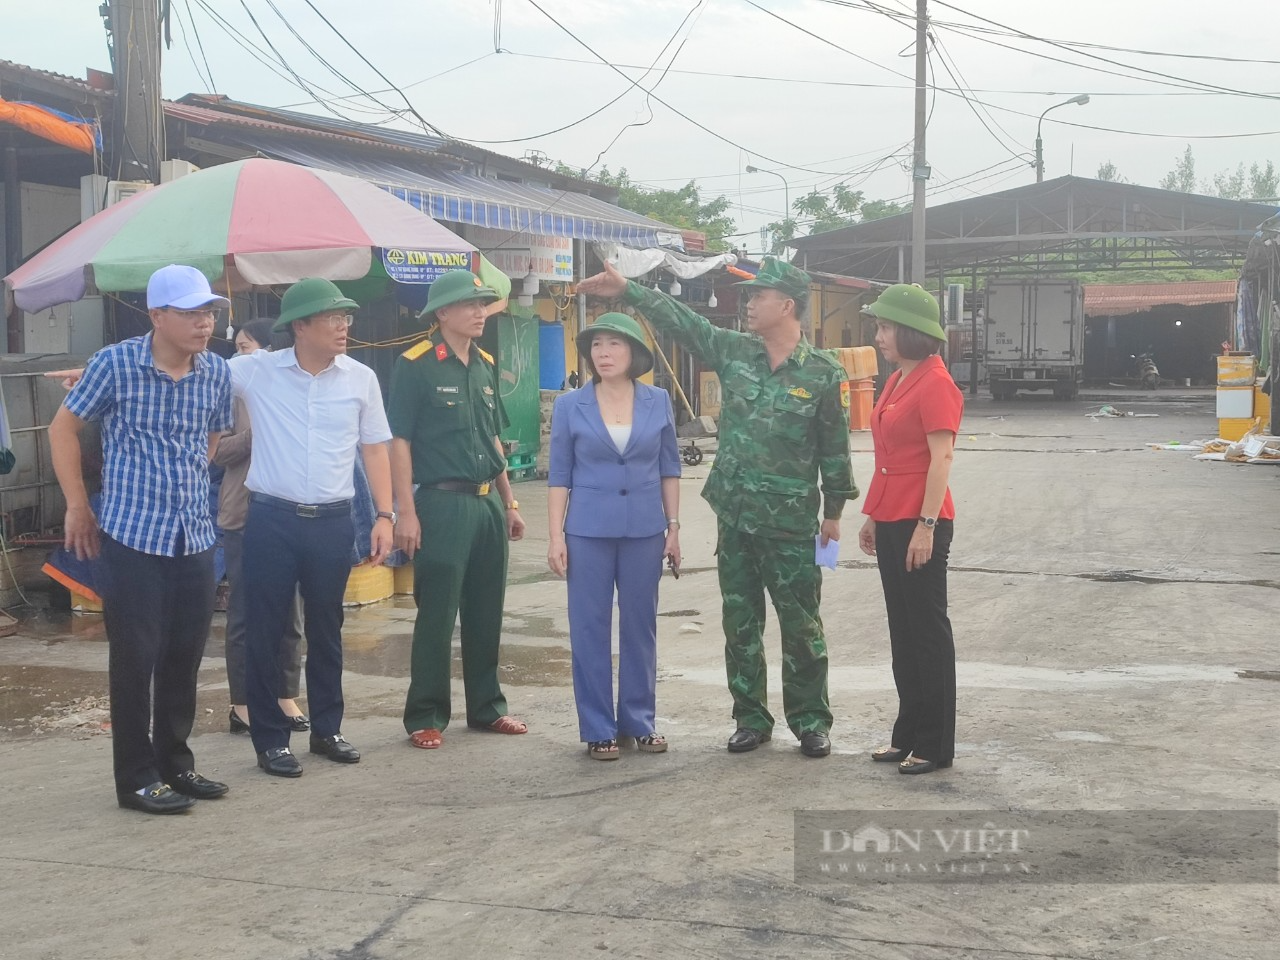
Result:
x=1035 y=337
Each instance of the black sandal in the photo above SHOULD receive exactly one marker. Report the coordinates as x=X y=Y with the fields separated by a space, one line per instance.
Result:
x=603 y=749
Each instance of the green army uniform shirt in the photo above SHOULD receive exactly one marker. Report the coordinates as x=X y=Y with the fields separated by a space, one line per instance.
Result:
x=450 y=412
x=780 y=430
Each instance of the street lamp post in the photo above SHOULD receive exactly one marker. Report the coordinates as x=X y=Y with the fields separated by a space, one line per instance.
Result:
x=1082 y=99
x=786 y=189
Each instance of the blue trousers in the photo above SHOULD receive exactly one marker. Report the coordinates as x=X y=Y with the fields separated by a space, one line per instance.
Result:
x=284 y=553
x=598 y=566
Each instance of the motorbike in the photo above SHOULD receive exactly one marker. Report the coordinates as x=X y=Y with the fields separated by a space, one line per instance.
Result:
x=1145 y=371
x=690 y=454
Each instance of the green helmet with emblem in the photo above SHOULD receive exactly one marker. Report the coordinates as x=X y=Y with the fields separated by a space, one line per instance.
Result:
x=308 y=297
x=456 y=286
x=781 y=276
x=624 y=326
x=910 y=305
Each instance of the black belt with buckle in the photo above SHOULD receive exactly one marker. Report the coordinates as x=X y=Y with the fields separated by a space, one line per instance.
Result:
x=457 y=486
x=335 y=508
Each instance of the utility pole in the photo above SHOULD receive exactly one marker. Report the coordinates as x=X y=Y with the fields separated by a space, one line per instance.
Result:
x=138 y=128
x=919 y=168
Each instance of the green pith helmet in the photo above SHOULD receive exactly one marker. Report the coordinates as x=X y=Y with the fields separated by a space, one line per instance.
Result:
x=308 y=297
x=619 y=323
x=910 y=305
x=456 y=286
x=783 y=277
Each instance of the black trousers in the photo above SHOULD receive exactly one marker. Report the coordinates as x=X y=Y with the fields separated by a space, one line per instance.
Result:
x=284 y=553
x=156 y=611
x=924 y=651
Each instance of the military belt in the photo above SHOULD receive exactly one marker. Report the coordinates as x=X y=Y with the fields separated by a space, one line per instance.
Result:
x=458 y=486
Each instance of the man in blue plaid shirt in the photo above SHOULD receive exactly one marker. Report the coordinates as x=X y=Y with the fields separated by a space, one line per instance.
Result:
x=162 y=401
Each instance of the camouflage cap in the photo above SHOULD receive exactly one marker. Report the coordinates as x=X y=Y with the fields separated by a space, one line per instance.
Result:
x=781 y=276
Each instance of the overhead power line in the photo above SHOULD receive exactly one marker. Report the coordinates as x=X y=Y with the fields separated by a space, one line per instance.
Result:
x=632 y=84
x=1168 y=77
x=385 y=79
x=680 y=113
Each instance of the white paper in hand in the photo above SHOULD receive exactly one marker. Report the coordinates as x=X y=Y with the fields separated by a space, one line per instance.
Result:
x=828 y=555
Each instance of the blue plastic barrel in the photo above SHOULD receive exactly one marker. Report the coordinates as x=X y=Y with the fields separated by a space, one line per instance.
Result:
x=550 y=356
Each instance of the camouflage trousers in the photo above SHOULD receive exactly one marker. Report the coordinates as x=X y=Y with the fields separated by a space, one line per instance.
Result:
x=749 y=565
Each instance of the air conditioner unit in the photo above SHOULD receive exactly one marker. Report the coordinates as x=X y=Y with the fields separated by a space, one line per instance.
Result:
x=173 y=169
x=118 y=190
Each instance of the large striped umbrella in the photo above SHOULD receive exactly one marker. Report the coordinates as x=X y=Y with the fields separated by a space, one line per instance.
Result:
x=250 y=223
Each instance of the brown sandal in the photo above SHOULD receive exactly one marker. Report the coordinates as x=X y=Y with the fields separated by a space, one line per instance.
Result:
x=428 y=739
x=507 y=725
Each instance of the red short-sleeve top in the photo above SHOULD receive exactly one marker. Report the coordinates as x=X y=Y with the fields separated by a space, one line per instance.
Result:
x=926 y=401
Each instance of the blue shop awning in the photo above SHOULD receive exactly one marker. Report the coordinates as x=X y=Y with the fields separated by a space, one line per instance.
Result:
x=455 y=197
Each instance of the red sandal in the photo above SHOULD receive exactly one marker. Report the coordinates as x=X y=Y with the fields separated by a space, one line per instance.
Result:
x=429 y=739
x=508 y=725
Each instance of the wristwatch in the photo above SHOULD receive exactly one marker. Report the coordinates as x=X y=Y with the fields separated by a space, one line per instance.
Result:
x=513 y=505
x=929 y=522
x=384 y=515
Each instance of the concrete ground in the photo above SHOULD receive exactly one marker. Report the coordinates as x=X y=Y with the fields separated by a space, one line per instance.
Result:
x=1114 y=612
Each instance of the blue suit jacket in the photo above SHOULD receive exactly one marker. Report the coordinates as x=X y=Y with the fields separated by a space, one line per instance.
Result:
x=613 y=494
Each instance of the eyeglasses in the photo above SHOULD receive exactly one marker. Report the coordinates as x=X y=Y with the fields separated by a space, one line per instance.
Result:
x=338 y=321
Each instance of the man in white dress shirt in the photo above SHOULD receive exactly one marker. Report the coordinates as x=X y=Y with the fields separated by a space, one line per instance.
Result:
x=312 y=407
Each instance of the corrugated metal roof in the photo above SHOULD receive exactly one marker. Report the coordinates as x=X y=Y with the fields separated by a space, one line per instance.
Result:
x=209 y=117
x=1116 y=299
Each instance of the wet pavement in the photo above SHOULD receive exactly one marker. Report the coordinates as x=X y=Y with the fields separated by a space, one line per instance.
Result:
x=1114 y=619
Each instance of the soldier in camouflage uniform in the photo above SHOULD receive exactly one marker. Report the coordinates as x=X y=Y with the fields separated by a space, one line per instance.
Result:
x=782 y=426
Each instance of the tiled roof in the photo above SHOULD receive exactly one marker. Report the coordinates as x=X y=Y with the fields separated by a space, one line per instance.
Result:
x=1116 y=299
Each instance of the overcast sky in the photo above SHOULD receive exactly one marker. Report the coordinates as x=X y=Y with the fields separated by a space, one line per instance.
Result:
x=816 y=114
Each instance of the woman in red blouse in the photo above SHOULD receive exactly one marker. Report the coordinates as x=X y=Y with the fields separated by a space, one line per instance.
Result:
x=909 y=524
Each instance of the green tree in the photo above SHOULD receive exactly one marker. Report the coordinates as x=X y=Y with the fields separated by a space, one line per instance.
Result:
x=1108 y=172
x=1264 y=182
x=1229 y=184
x=683 y=207
x=822 y=212
x=1183 y=175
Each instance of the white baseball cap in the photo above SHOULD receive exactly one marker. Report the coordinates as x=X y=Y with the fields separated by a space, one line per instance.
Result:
x=182 y=288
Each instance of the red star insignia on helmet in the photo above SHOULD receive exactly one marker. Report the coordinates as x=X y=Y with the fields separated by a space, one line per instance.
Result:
x=479 y=282
x=442 y=351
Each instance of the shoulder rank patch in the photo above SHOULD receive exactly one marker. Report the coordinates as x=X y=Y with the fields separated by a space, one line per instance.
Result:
x=488 y=356
x=418 y=349
x=845 y=397
x=800 y=392
x=442 y=351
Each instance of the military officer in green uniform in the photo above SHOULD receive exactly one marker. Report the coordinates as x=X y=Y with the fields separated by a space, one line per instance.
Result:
x=784 y=436
x=445 y=415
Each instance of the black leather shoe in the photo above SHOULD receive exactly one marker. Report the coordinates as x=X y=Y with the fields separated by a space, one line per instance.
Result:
x=745 y=739
x=157 y=798
x=335 y=748
x=815 y=744
x=191 y=784
x=890 y=755
x=926 y=766
x=280 y=762
x=299 y=724
x=235 y=724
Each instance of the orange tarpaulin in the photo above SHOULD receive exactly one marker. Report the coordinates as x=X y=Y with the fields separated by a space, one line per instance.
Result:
x=35 y=120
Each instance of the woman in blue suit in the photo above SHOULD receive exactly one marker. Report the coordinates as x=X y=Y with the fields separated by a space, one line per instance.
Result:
x=613 y=504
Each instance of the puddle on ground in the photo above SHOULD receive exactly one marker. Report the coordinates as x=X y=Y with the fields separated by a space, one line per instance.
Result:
x=1258 y=674
x=39 y=699
x=519 y=664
